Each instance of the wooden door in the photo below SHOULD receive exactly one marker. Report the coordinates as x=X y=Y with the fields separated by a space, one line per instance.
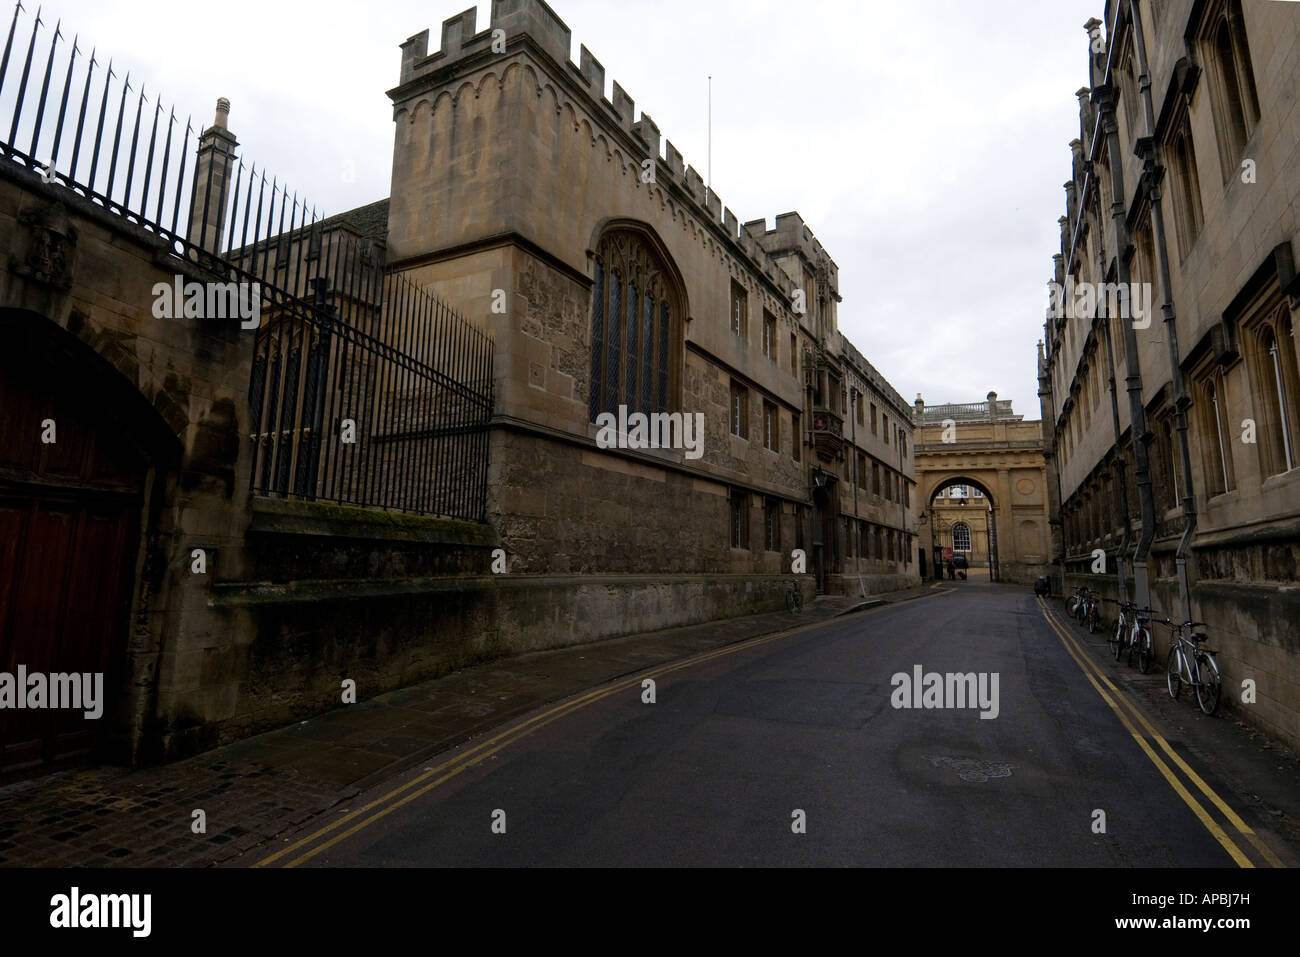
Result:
x=69 y=516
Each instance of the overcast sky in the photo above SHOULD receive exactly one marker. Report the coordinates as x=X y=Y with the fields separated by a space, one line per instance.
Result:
x=925 y=143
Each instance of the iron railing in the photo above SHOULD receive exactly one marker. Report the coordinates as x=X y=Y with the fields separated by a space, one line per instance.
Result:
x=365 y=388
x=376 y=395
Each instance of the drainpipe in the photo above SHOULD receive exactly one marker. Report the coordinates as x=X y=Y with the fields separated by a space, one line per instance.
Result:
x=856 y=537
x=1103 y=96
x=1127 y=538
x=1045 y=391
x=903 y=545
x=1153 y=172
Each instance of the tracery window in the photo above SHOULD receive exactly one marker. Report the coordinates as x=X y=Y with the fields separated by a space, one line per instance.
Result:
x=636 y=311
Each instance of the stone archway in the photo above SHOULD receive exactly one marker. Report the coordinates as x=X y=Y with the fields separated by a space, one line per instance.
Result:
x=954 y=524
x=79 y=448
x=987 y=446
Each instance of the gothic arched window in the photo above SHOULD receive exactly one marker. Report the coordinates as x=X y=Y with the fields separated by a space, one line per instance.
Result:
x=1232 y=87
x=1277 y=390
x=1213 y=428
x=635 y=315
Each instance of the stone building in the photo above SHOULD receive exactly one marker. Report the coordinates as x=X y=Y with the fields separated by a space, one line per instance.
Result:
x=401 y=464
x=1171 y=406
x=982 y=481
x=609 y=276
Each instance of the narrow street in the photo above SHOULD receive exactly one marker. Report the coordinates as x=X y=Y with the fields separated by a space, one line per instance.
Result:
x=551 y=436
x=741 y=738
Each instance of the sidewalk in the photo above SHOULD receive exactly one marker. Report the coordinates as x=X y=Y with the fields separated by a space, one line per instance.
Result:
x=1261 y=771
x=254 y=790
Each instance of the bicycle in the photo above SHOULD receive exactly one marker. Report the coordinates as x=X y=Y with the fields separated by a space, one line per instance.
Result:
x=1074 y=607
x=1090 y=608
x=1140 y=639
x=1132 y=633
x=794 y=596
x=1191 y=664
x=1122 y=626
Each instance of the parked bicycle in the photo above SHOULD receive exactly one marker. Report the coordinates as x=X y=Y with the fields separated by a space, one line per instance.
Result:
x=1141 y=641
x=1123 y=623
x=1133 y=634
x=1075 y=604
x=1092 y=611
x=794 y=596
x=1193 y=664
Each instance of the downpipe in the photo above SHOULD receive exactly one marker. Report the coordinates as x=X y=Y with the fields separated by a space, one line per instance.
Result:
x=1181 y=400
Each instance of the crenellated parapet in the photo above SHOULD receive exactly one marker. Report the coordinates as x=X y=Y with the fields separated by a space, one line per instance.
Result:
x=532 y=28
x=792 y=234
x=862 y=367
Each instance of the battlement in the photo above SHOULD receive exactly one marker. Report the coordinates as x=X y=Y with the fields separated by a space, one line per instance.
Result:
x=792 y=235
x=532 y=23
x=856 y=361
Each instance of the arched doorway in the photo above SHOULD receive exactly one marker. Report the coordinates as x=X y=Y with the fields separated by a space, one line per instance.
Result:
x=74 y=475
x=960 y=517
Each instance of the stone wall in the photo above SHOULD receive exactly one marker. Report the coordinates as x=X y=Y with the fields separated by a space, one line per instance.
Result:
x=506 y=170
x=1230 y=240
x=89 y=288
x=340 y=593
x=528 y=165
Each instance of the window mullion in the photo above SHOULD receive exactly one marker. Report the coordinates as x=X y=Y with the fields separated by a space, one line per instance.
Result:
x=1283 y=419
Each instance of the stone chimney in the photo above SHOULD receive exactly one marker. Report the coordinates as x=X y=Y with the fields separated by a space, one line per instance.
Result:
x=212 y=175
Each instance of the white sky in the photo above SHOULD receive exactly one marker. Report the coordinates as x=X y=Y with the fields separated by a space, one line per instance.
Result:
x=924 y=142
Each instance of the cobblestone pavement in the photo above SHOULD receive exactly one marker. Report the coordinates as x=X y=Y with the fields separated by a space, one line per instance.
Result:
x=254 y=790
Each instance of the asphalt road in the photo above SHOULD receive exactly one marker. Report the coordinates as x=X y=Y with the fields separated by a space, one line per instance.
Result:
x=714 y=771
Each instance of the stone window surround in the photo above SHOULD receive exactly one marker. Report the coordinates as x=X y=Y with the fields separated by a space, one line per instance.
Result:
x=1234 y=96
x=1211 y=419
x=1277 y=425
x=1185 y=191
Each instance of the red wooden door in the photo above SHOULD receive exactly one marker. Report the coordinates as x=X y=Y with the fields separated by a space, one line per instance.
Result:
x=69 y=516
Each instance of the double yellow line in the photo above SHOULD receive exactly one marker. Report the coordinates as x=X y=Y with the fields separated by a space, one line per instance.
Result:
x=1124 y=708
x=387 y=803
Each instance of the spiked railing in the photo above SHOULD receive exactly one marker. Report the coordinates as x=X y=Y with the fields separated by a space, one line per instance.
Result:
x=78 y=155
x=365 y=389
x=379 y=395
